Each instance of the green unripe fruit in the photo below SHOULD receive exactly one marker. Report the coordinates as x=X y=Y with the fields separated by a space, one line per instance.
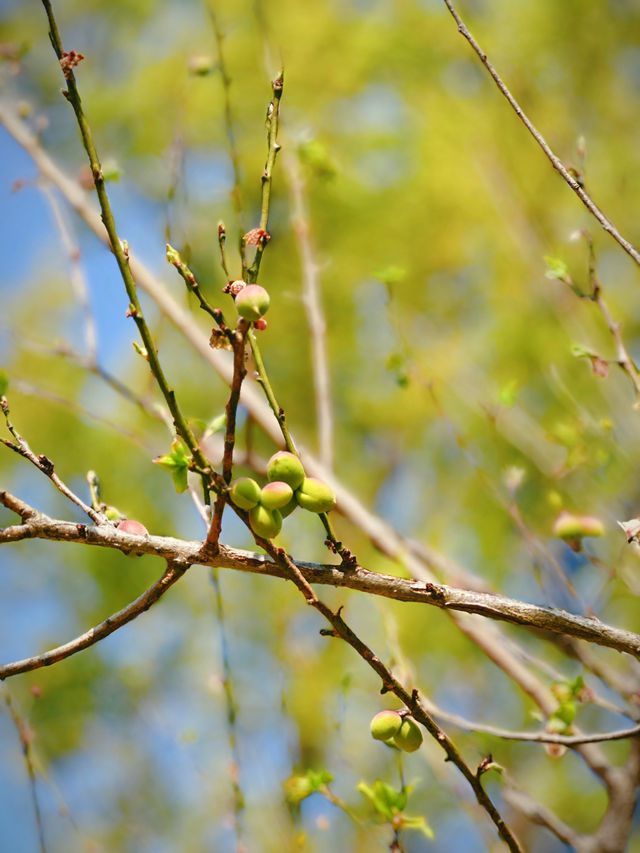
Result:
x=315 y=495
x=245 y=493
x=276 y=495
x=252 y=302
x=385 y=725
x=409 y=737
x=287 y=467
x=265 y=522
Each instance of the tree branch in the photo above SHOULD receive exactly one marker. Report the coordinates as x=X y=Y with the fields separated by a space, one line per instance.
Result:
x=173 y=572
x=555 y=161
x=499 y=607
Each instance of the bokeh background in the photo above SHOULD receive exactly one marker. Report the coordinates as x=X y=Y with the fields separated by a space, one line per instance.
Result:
x=452 y=364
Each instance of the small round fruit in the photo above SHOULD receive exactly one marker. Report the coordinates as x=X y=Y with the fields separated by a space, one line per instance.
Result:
x=287 y=467
x=260 y=325
x=409 y=736
x=135 y=528
x=567 y=526
x=385 y=725
x=245 y=493
x=315 y=495
x=265 y=522
x=252 y=302
x=276 y=495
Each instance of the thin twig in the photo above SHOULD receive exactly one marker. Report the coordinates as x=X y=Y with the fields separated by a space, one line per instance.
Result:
x=236 y=192
x=555 y=161
x=26 y=736
x=313 y=307
x=273 y=146
x=232 y=711
x=78 y=281
x=625 y=362
x=239 y=373
x=44 y=464
x=120 y=249
x=173 y=573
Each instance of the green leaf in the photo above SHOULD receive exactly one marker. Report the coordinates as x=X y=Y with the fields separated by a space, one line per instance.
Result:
x=386 y=800
x=300 y=786
x=4 y=381
x=418 y=823
x=391 y=274
x=556 y=269
x=177 y=464
x=507 y=395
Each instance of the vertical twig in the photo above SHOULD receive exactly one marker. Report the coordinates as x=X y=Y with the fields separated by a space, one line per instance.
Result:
x=315 y=314
x=232 y=711
x=26 y=739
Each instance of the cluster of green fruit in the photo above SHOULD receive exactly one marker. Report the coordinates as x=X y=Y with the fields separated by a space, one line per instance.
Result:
x=288 y=488
x=396 y=729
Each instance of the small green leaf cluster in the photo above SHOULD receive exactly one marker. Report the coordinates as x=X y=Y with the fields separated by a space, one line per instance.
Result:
x=397 y=730
x=567 y=693
x=287 y=489
x=300 y=786
x=177 y=464
x=389 y=804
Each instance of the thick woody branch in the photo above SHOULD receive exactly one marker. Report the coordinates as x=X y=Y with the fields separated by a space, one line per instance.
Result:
x=447 y=598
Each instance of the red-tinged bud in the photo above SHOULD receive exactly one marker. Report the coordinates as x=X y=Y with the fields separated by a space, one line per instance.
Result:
x=134 y=528
x=260 y=325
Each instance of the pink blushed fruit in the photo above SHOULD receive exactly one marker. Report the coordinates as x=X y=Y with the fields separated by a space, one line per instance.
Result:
x=252 y=302
x=276 y=495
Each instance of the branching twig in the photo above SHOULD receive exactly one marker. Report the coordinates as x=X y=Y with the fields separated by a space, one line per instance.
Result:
x=555 y=161
x=44 y=464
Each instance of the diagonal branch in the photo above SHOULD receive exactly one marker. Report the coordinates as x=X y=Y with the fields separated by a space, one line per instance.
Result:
x=173 y=573
x=555 y=161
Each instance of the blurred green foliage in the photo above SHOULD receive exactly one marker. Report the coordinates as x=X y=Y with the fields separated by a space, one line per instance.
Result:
x=452 y=356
